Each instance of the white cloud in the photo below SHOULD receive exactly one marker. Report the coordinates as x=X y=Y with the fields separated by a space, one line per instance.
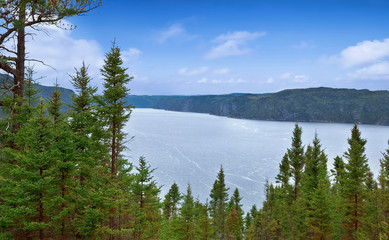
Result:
x=221 y=71
x=58 y=49
x=286 y=75
x=228 y=81
x=378 y=71
x=270 y=80
x=186 y=72
x=232 y=44
x=173 y=32
x=365 y=53
x=304 y=45
x=300 y=78
x=131 y=54
x=216 y=81
x=203 y=80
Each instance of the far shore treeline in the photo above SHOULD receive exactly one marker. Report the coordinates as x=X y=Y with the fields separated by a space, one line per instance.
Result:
x=63 y=176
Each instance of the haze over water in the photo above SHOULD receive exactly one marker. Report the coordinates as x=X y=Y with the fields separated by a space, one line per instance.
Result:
x=190 y=148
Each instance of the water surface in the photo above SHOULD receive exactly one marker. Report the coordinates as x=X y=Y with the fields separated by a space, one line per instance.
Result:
x=190 y=148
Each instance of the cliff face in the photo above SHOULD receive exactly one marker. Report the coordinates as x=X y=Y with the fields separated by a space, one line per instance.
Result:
x=302 y=105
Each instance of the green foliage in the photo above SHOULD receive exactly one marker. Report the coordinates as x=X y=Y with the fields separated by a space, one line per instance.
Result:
x=146 y=203
x=218 y=206
x=354 y=189
x=296 y=158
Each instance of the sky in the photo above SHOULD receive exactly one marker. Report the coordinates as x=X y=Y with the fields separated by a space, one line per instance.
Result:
x=186 y=47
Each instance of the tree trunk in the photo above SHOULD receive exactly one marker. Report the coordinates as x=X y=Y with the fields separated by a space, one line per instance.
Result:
x=18 y=90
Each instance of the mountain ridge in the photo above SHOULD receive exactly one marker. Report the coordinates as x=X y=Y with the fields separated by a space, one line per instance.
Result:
x=322 y=104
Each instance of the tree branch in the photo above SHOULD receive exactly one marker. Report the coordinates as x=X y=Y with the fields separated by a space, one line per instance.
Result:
x=7 y=68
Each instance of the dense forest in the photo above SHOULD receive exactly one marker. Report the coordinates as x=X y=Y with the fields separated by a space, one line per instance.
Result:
x=63 y=176
x=297 y=105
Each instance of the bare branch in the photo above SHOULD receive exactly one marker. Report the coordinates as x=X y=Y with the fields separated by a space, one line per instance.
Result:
x=7 y=68
x=7 y=50
x=41 y=62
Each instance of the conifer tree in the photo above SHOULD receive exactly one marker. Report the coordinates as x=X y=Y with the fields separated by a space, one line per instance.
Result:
x=202 y=220
x=27 y=206
x=235 y=218
x=171 y=202
x=354 y=189
x=146 y=208
x=114 y=112
x=296 y=158
x=30 y=91
x=284 y=174
x=384 y=195
x=187 y=215
x=172 y=227
x=91 y=156
x=218 y=206
x=316 y=188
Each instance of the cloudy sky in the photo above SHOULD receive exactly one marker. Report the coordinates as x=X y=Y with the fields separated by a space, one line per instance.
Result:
x=225 y=46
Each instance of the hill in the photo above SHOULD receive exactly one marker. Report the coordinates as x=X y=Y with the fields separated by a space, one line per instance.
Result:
x=45 y=92
x=298 y=105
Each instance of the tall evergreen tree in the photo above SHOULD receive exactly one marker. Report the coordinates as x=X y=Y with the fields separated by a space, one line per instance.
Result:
x=296 y=158
x=115 y=111
x=316 y=188
x=91 y=156
x=218 y=206
x=284 y=174
x=354 y=189
x=235 y=222
x=147 y=205
x=384 y=195
x=187 y=215
x=171 y=202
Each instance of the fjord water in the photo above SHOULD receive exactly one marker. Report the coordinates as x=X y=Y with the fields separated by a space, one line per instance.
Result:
x=190 y=148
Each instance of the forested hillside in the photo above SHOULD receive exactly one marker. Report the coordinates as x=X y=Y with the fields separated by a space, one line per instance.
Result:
x=298 y=105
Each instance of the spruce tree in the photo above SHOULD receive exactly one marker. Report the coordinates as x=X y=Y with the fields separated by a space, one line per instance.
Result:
x=114 y=112
x=171 y=202
x=296 y=158
x=91 y=156
x=317 y=195
x=187 y=215
x=146 y=203
x=384 y=195
x=284 y=175
x=218 y=206
x=354 y=189
x=202 y=220
x=235 y=222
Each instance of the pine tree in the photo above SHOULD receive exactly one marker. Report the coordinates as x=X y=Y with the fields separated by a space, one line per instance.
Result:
x=317 y=195
x=171 y=202
x=354 y=189
x=114 y=112
x=25 y=208
x=187 y=215
x=91 y=155
x=218 y=206
x=202 y=220
x=146 y=208
x=284 y=175
x=384 y=195
x=296 y=158
x=172 y=227
x=235 y=222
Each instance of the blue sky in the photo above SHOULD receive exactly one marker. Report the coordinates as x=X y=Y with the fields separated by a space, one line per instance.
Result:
x=226 y=46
